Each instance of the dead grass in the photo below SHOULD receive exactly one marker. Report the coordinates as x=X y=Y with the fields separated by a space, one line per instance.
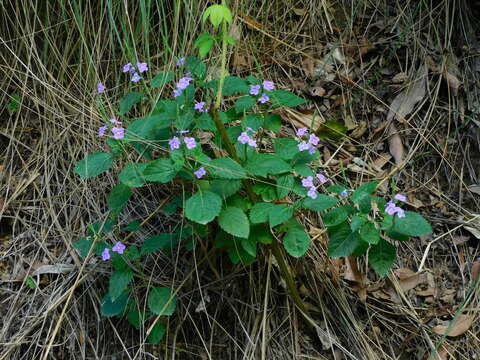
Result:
x=52 y=54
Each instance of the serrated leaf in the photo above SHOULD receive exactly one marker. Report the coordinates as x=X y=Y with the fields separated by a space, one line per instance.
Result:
x=119 y=280
x=253 y=121
x=157 y=242
x=369 y=233
x=157 y=333
x=118 y=197
x=195 y=66
x=296 y=242
x=285 y=98
x=217 y=13
x=161 y=301
x=93 y=165
x=132 y=174
x=111 y=308
x=335 y=216
x=250 y=246
x=225 y=188
x=234 y=221
x=279 y=214
x=161 y=79
x=286 y=148
x=160 y=170
x=273 y=122
x=342 y=241
x=148 y=128
x=265 y=164
x=382 y=257
x=285 y=184
x=259 y=212
x=244 y=103
x=322 y=202
x=363 y=191
x=226 y=168
x=234 y=84
x=357 y=222
x=412 y=224
x=203 y=207
x=129 y=100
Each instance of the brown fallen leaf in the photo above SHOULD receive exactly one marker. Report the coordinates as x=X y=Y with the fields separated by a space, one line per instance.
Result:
x=381 y=161
x=395 y=144
x=317 y=91
x=399 y=78
x=459 y=327
x=475 y=271
x=453 y=82
x=442 y=354
x=353 y=274
x=408 y=279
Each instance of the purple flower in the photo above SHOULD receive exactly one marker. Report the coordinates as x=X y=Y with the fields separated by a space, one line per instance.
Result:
x=344 y=193
x=252 y=142
x=303 y=146
x=115 y=121
x=400 y=197
x=243 y=138
x=177 y=92
x=183 y=131
x=400 y=212
x=118 y=248
x=313 y=139
x=250 y=129
x=100 y=88
x=302 y=131
x=307 y=182
x=391 y=208
x=322 y=178
x=312 y=193
x=118 y=132
x=180 y=62
x=135 y=78
x=174 y=143
x=127 y=67
x=184 y=82
x=102 y=130
x=142 y=67
x=263 y=99
x=105 y=254
x=254 y=89
x=268 y=85
x=200 y=173
x=190 y=142
x=200 y=106
x=311 y=150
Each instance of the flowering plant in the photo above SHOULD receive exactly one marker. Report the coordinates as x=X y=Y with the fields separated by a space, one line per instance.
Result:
x=247 y=185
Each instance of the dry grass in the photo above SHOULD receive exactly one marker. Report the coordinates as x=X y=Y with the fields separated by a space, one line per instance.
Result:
x=51 y=55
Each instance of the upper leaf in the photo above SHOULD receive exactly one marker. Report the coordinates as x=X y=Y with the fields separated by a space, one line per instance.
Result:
x=285 y=98
x=160 y=170
x=118 y=197
x=412 y=224
x=226 y=168
x=161 y=79
x=118 y=282
x=203 y=207
x=234 y=221
x=94 y=164
x=129 y=100
x=217 y=13
x=132 y=174
x=264 y=164
x=322 y=202
x=161 y=301
x=342 y=240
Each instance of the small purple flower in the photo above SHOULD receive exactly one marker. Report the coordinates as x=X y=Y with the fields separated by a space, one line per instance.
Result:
x=254 y=89
x=100 y=88
x=250 y=129
x=263 y=99
x=182 y=131
x=303 y=146
x=174 y=143
x=180 y=62
x=400 y=212
x=190 y=142
x=135 y=78
x=344 y=193
x=177 y=92
x=302 y=131
x=391 y=208
x=118 y=132
x=313 y=139
x=184 y=82
x=322 y=178
x=268 y=85
x=307 y=182
x=200 y=106
x=106 y=254
x=102 y=130
x=252 y=142
x=243 y=138
x=200 y=173
x=311 y=150
x=401 y=197
x=312 y=193
x=118 y=248
x=142 y=67
x=115 y=121
x=127 y=67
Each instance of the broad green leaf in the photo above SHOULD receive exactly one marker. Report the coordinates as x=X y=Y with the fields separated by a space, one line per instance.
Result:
x=136 y=317
x=357 y=222
x=296 y=241
x=148 y=128
x=412 y=224
x=161 y=301
x=335 y=216
x=119 y=280
x=205 y=122
x=195 y=66
x=273 y=122
x=266 y=191
x=253 y=121
x=382 y=256
x=204 y=43
x=261 y=234
x=369 y=233
x=264 y=164
x=286 y=148
x=279 y=214
x=118 y=197
x=361 y=248
x=234 y=84
x=111 y=308
x=217 y=13
x=322 y=202
x=129 y=100
x=132 y=226
x=161 y=79
x=363 y=191
x=250 y=245
x=160 y=170
x=397 y=236
x=342 y=241
x=285 y=184
x=132 y=174
x=237 y=254
x=234 y=221
x=285 y=98
x=259 y=212
x=157 y=333
x=244 y=103
x=93 y=165
x=337 y=189
x=157 y=242
x=98 y=227
x=225 y=168
x=84 y=244
x=225 y=188
x=203 y=207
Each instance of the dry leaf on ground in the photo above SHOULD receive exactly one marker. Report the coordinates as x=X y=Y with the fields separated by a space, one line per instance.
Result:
x=459 y=327
x=395 y=144
x=353 y=274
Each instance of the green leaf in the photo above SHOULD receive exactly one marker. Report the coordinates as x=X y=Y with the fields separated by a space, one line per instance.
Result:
x=335 y=216
x=273 y=122
x=195 y=66
x=397 y=236
x=234 y=84
x=118 y=197
x=234 y=221
x=111 y=308
x=253 y=121
x=203 y=207
x=225 y=188
x=156 y=242
x=244 y=103
x=135 y=317
x=157 y=333
x=296 y=241
x=331 y=130
x=279 y=214
x=322 y=202
x=261 y=234
x=285 y=98
x=412 y=224
x=148 y=128
x=129 y=100
x=184 y=121
x=217 y=14
x=369 y=233
x=259 y=212
x=337 y=189
x=132 y=226
x=160 y=170
x=161 y=301
x=342 y=241
x=357 y=222
x=285 y=184
x=118 y=282
x=363 y=191
x=226 y=168
x=204 y=43
x=161 y=79
x=237 y=254
x=264 y=164
x=250 y=246
x=286 y=148
x=30 y=283
x=382 y=256
x=93 y=165
x=132 y=174
x=266 y=191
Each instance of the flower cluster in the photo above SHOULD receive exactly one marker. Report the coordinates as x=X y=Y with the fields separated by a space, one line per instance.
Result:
x=312 y=189
x=117 y=130
x=175 y=142
x=309 y=144
x=182 y=84
x=267 y=86
x=244 y=138
x=392 y=209
x=119 y=248
x=135 y=70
